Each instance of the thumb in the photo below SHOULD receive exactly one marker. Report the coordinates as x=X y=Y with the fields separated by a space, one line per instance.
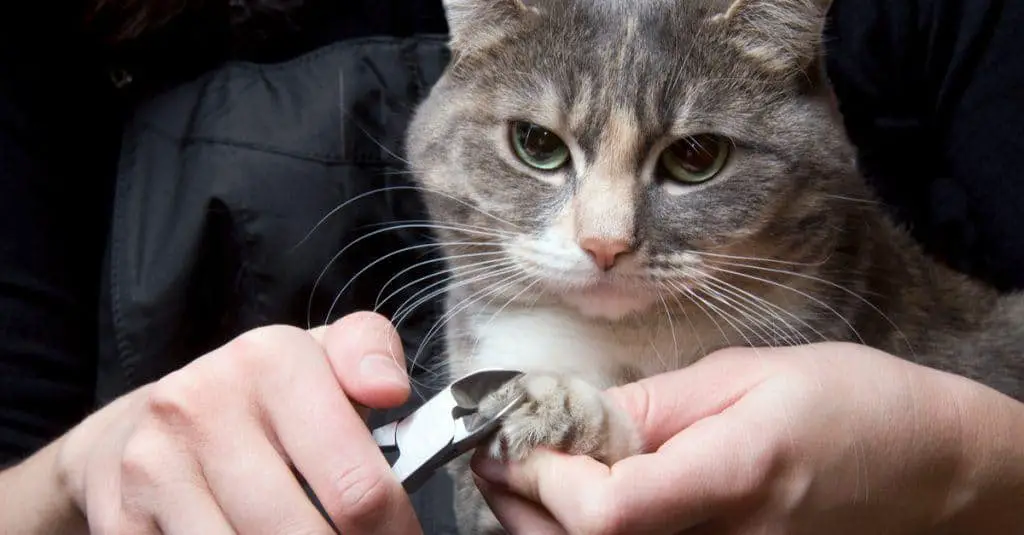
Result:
x=366 y=356
x=663 y=405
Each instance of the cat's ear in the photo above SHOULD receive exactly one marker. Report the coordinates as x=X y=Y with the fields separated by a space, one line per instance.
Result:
x=784 y=35
x=476 y=24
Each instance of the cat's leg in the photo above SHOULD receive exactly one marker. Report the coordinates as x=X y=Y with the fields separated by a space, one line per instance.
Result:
x=561 y=412
x=564 y=406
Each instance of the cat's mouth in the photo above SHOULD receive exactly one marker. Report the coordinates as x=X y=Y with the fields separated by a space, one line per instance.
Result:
x=610 y=298
x=570 y=274
x=606 y=288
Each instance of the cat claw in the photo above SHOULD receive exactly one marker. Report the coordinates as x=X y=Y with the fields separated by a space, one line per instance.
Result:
x=559 y=412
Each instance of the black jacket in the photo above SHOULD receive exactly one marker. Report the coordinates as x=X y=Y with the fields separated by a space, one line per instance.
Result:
x=219 y=184
x=158 y=201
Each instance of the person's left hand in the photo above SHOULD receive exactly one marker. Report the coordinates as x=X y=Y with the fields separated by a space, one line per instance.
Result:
x=835 y=438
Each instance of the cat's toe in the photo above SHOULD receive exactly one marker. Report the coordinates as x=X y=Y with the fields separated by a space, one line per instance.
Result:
x=563 y=413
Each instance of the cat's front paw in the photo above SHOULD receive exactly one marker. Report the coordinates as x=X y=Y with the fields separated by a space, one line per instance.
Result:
x=563 y=413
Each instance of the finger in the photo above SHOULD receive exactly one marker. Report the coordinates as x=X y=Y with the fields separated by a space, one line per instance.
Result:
x=105 y=506
x=516 y=515
x=318 y=333
x=663 y=405
x=160 y=487
x=185 y=503
x=193 y=512
x=236 y=463
x=366 y=355
x=571 y=488
x=99 y=488
x=255 y=488
x=329 y=444
x=709 y=468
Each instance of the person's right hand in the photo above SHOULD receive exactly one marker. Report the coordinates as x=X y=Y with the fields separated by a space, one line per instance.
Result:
x=209 y=448
x=817 y=439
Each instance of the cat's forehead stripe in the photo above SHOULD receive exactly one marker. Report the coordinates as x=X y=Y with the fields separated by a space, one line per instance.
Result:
x=683 y=115
x=550 y=111
x=626 y=45
x=619 y=144
x=581 y=105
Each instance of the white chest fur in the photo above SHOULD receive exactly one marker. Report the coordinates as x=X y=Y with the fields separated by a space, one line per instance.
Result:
x=550 y=340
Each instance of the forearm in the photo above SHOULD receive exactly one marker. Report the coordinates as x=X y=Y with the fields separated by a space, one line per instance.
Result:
x=989 y=494
x=33 y=500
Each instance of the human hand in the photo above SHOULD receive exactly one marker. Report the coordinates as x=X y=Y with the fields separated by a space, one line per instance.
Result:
x=209 y=448
x=832 y=438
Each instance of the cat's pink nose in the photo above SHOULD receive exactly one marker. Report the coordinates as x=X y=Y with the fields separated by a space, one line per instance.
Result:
x=605 y=252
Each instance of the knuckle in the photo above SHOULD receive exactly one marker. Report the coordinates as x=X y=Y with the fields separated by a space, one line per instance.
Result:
x=361 y=496
x=601 y=515
x=72 y=467
x=141 y=461
x=114 y=527
x=137 y=523
x=767 y=460
x=134 y=524
x=177 y=399
x=300 y=527
x=104 y=518
x=97 y=527
x=252 y=351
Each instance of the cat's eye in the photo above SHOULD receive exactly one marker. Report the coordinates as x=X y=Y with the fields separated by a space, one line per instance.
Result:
x=695 y=159
x=538 y=147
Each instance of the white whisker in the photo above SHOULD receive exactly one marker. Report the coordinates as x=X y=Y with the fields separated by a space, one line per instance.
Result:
x=672 y=329
x=478 y=230
x=763 y=304
x=682 y=308
x=692 y=298
x=437 y=289
x=389 y=189
x=756 y=323
x=353 y=243
x=399 y=318
x=759 y=259
x=821 y=303
x=839 y=287
x=871 y=202
x=354 y=121
x=369 y=266
x=464 y=304
x=453 y=270
x=729 y=318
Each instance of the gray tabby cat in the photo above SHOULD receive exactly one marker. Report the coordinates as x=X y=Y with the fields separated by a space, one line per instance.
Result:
x=626 y=186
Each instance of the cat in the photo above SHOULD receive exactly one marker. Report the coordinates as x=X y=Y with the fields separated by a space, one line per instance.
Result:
x=623 y=187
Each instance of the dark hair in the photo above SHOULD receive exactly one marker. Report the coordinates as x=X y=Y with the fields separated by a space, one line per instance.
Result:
x=117 y=21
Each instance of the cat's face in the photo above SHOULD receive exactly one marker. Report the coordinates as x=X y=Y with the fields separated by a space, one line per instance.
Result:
x=610 y=153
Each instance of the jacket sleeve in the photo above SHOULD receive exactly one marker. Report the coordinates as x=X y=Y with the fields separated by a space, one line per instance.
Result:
x=57 y=137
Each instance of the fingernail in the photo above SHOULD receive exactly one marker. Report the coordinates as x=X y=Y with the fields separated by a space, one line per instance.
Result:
x=382 y=368
x=492 y=470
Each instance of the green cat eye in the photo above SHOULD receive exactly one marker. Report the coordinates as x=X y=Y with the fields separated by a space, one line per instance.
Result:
x=695 y=159
x=538 y=147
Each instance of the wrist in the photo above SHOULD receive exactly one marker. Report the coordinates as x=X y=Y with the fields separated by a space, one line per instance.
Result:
x=987 y=495
x=34 y=500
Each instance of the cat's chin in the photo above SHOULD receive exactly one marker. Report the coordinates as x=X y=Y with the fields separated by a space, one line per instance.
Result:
x=608 y=302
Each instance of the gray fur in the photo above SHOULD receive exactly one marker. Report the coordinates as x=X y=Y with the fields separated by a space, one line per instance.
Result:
x=622 y=79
